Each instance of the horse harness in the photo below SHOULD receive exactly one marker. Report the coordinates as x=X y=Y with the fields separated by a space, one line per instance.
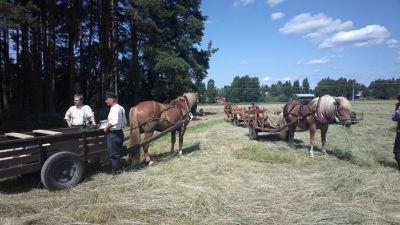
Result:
x=171 y=106
x=313 y=113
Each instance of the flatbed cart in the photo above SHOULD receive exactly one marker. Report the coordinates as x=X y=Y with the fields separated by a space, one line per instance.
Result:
x=59 y=155
x=260 y=121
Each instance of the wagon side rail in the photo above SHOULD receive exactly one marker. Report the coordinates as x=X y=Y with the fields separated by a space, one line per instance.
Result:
x=25 y=156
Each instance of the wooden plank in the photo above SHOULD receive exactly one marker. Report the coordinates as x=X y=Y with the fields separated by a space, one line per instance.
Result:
x=18 y=152
x=48 y=132
x=19 y=170
x=14 y=161
x=18 y=135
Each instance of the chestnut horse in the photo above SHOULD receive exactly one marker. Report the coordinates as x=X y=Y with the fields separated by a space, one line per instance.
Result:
x=149 y=116
x=316 y=114
x=192 y=101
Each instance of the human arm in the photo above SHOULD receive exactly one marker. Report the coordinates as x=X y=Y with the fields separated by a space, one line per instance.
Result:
x=67 y=117
x=90 y=115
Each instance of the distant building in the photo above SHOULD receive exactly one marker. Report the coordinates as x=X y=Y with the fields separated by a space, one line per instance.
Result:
x=302 y=97
x=359 y=95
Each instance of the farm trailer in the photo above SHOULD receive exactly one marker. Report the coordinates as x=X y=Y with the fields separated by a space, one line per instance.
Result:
x=59 y=155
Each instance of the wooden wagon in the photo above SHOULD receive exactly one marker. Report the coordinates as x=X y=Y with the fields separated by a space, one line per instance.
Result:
x=260 y=120
x=59 y=155
x=240 y=116
x=356 y=117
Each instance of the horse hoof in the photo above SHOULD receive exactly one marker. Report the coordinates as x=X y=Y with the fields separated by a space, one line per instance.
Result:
x=150 y=163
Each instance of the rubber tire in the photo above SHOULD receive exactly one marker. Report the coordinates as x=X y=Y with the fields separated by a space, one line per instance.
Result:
x=57 y=165
x=252 y=132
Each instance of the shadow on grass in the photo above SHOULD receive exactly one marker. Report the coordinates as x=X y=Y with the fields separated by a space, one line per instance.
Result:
x=166 y=156
x=388 y=164
x=20 y=184
x=274 y=137
x=341 y=154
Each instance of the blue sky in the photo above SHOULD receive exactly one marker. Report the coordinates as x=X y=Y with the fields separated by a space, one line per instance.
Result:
x=294 y=39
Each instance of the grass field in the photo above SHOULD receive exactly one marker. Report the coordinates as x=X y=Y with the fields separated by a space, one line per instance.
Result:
x=224 y=178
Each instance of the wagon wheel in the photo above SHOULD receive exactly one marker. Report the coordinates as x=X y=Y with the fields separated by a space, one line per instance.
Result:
x=252 y=131
x=62 y=170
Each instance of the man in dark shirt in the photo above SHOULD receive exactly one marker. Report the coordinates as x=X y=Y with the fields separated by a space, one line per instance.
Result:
x=395 y=117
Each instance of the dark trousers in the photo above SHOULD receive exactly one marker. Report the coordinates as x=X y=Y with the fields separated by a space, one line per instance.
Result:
x=115 y=140
x=396 y=148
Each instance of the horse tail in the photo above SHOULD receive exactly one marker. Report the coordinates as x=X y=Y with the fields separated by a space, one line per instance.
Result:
x=134 y=127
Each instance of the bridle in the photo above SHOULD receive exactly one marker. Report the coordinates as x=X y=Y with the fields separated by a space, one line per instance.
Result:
x=338 y=114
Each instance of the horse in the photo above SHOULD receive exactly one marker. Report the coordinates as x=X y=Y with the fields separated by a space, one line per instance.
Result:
x=316 y=114
x=149 y=116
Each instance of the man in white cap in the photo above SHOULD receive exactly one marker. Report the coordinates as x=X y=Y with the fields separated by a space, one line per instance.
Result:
x=115 y=137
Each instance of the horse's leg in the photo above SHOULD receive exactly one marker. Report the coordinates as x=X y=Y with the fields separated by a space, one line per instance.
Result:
x=173 y=139
x=147 y=159
x=324 y=129
x=291 y=135
x=135 y=158
x=181 y=133
x=312 y=139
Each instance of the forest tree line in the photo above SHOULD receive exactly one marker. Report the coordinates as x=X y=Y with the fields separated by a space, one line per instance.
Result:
x=140 y=49
x=248 y=89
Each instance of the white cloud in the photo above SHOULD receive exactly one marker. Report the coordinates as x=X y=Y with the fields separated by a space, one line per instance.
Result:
x=273 y=3
x=364 y=37
x=266 y=79
x=392 y=43
x=315 y=26
x=243 y=62
x=277 y=15
x=284 y=79
x=322 y=60
x=238 y=3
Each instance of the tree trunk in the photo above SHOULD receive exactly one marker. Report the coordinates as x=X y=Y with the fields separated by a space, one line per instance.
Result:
x=1 y=80
x=51 y=51
x=90 y=51
x=114 y=46
x=5 y=74
x=82 y=74
x=71 y=56
x=25 y=97
x=17 y=44
x=136 y=76
x=104 y=35
x=36 y=90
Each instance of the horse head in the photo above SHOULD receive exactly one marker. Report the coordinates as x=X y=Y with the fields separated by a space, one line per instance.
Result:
x=342 y=111
x=182 y=103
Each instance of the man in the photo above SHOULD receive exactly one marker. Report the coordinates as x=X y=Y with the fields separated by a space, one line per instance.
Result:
x=79 y=114
x=396 y=117
x=115 y=123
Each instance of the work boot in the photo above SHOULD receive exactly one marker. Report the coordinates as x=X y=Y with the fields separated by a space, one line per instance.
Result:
x=398 y=164
x=116 y=167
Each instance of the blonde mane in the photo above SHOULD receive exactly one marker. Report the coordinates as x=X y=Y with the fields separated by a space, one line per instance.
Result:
x=327 y=105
